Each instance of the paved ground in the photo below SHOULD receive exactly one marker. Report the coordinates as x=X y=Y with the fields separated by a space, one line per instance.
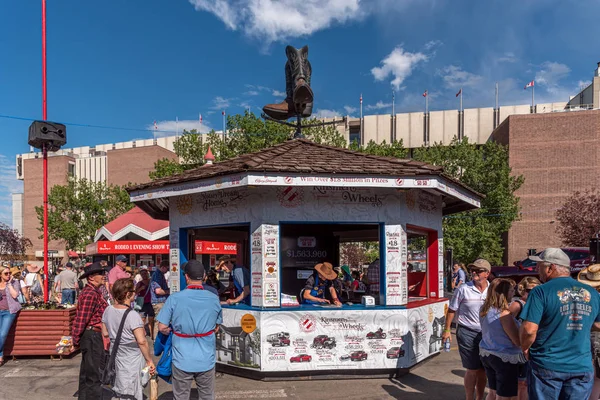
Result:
x=439 y=378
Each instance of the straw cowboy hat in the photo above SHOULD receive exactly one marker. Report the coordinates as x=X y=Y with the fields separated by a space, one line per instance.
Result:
x=33 y=268
x=590 y=275
x=326 y=269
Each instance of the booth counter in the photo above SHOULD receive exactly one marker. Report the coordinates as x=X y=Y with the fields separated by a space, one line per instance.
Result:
x=284 y=222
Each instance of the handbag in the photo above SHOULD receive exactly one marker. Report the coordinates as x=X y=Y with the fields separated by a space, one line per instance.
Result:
x=163 y=348
x=108 y=374
x=139 y=301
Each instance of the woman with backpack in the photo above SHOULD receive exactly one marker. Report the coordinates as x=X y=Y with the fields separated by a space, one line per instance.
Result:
x=35 y=284
x=9 y=306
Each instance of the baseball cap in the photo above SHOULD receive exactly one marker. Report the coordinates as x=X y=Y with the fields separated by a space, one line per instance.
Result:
x=69 y=265
x=480 y=263
x=121 y=258
x=553 y=255
x=194 y=269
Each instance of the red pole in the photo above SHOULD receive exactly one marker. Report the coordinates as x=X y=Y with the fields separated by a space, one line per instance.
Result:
x=45 y=151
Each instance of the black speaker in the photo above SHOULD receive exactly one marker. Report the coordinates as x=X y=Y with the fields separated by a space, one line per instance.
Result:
x=52 y=134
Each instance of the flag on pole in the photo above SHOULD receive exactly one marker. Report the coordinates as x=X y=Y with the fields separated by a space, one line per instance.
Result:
x=530 y=84
x=200 y=118
x=425 y=94
x=155 y=126
x=361 y=98
x=223 y=113
x=459 y=92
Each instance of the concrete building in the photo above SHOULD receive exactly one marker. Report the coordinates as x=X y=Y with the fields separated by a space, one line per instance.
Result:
x=557 y=153
x=118 y=163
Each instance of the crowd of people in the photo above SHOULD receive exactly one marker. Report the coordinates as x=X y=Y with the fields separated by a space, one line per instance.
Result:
x=539 y=345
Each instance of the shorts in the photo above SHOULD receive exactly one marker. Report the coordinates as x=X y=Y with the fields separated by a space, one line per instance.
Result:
x=468 y=347
x=147 y=311
x=523 y=368
x=503 y=377
x=157 y=307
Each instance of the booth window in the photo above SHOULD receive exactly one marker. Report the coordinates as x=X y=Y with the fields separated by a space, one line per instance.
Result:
x=421 y=273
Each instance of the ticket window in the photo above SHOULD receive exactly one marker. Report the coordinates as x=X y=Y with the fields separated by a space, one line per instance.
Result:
x=417 y=264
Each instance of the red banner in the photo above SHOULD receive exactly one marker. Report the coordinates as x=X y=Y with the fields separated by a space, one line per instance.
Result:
x=128 y=247
x=207 y=247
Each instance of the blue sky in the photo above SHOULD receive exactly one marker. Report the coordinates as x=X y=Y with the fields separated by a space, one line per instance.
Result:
x=127 y=63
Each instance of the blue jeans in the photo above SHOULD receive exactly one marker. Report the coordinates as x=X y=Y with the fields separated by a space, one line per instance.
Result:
x=6 y=321
x=68 y=296
x=543 y=384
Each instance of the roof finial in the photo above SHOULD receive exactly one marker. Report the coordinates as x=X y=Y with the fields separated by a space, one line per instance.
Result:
x=209 y=157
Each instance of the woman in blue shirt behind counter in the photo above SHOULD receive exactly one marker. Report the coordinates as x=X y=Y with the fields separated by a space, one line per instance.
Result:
x=320 y=283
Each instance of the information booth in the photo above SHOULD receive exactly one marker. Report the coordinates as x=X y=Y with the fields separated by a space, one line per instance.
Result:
x=289 y=207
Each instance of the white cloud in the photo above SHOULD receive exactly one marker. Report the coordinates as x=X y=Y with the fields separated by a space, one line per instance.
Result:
x=220 y=103
x=280 y=20
x=278 y=93
x=170 y=128
x=507 y=57
x=398 y=63
x=378 y=106
x=433 y=44
x=327 y=114
x=251 y=93
x=550 y=76
x=583 y=84
x=8 y=184
x=455 y=77
x=350 y=109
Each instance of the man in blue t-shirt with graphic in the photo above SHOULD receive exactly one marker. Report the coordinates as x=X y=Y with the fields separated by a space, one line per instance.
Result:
x=557 y=320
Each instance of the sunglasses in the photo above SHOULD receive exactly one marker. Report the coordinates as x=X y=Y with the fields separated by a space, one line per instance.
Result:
x=6 y=273
x=478 y=271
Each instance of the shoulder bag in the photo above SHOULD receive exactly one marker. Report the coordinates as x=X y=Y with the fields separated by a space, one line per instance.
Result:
x=108 y=374
x=139 y=301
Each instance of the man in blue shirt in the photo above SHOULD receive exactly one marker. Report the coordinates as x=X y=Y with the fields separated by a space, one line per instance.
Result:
x=241 y=280
x=557 y=319
x=193 y=315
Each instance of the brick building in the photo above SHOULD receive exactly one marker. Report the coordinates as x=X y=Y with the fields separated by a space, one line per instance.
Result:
x=119 y=164
x=558 y=154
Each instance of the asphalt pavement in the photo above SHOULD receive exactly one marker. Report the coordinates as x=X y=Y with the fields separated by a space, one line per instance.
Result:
x=439 y=378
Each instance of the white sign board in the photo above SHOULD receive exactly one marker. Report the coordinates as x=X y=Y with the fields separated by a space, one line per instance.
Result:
x=395 y=280
x=265 y=267
x=174 y=278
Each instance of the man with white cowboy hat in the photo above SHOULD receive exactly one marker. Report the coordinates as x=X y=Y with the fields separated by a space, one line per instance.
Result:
x=555 y=334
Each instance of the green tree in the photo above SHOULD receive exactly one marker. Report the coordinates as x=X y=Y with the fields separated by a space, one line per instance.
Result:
x=579 y=218
x=484 y=168
x=79 y=208
x=190 y=149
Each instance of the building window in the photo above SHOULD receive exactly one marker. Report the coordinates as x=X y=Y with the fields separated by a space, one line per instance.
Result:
x=71 y=170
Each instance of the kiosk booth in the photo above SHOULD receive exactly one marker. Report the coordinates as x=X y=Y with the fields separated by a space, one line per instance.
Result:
x=288 y=208
x=135 y=234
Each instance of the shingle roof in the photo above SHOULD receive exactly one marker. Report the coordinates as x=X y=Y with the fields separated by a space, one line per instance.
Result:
x=303 y=156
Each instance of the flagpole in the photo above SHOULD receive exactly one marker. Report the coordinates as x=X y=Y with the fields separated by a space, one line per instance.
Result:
x=461 y=100
x=393 y=115
x=426 y=102
x=533 y=98
x=223 y=113
x=496 y=95
x=361 y=119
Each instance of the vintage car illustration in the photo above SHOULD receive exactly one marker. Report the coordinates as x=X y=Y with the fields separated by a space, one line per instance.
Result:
x=378 y=334
x=345 y=357
x=279 y=339
x=358 y=356
x=301 y=358
x=323 y=342
x=395 y=352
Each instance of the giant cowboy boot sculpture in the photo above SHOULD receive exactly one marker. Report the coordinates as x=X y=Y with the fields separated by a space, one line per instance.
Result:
x=299 y=95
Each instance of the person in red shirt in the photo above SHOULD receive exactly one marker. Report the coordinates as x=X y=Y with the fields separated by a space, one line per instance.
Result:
x=87 y=332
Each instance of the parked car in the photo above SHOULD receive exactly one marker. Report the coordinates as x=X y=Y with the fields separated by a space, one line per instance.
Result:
x=579 y=256
x=395 y=352
x=301 y=358
x=358 y=356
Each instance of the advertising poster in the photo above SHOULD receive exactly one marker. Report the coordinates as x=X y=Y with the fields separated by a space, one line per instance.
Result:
x=396 y=291
x=441 y=267
x=257 y=267
x=313 y=340
x=174 y=278
x=238 y=339
x=270 y=263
